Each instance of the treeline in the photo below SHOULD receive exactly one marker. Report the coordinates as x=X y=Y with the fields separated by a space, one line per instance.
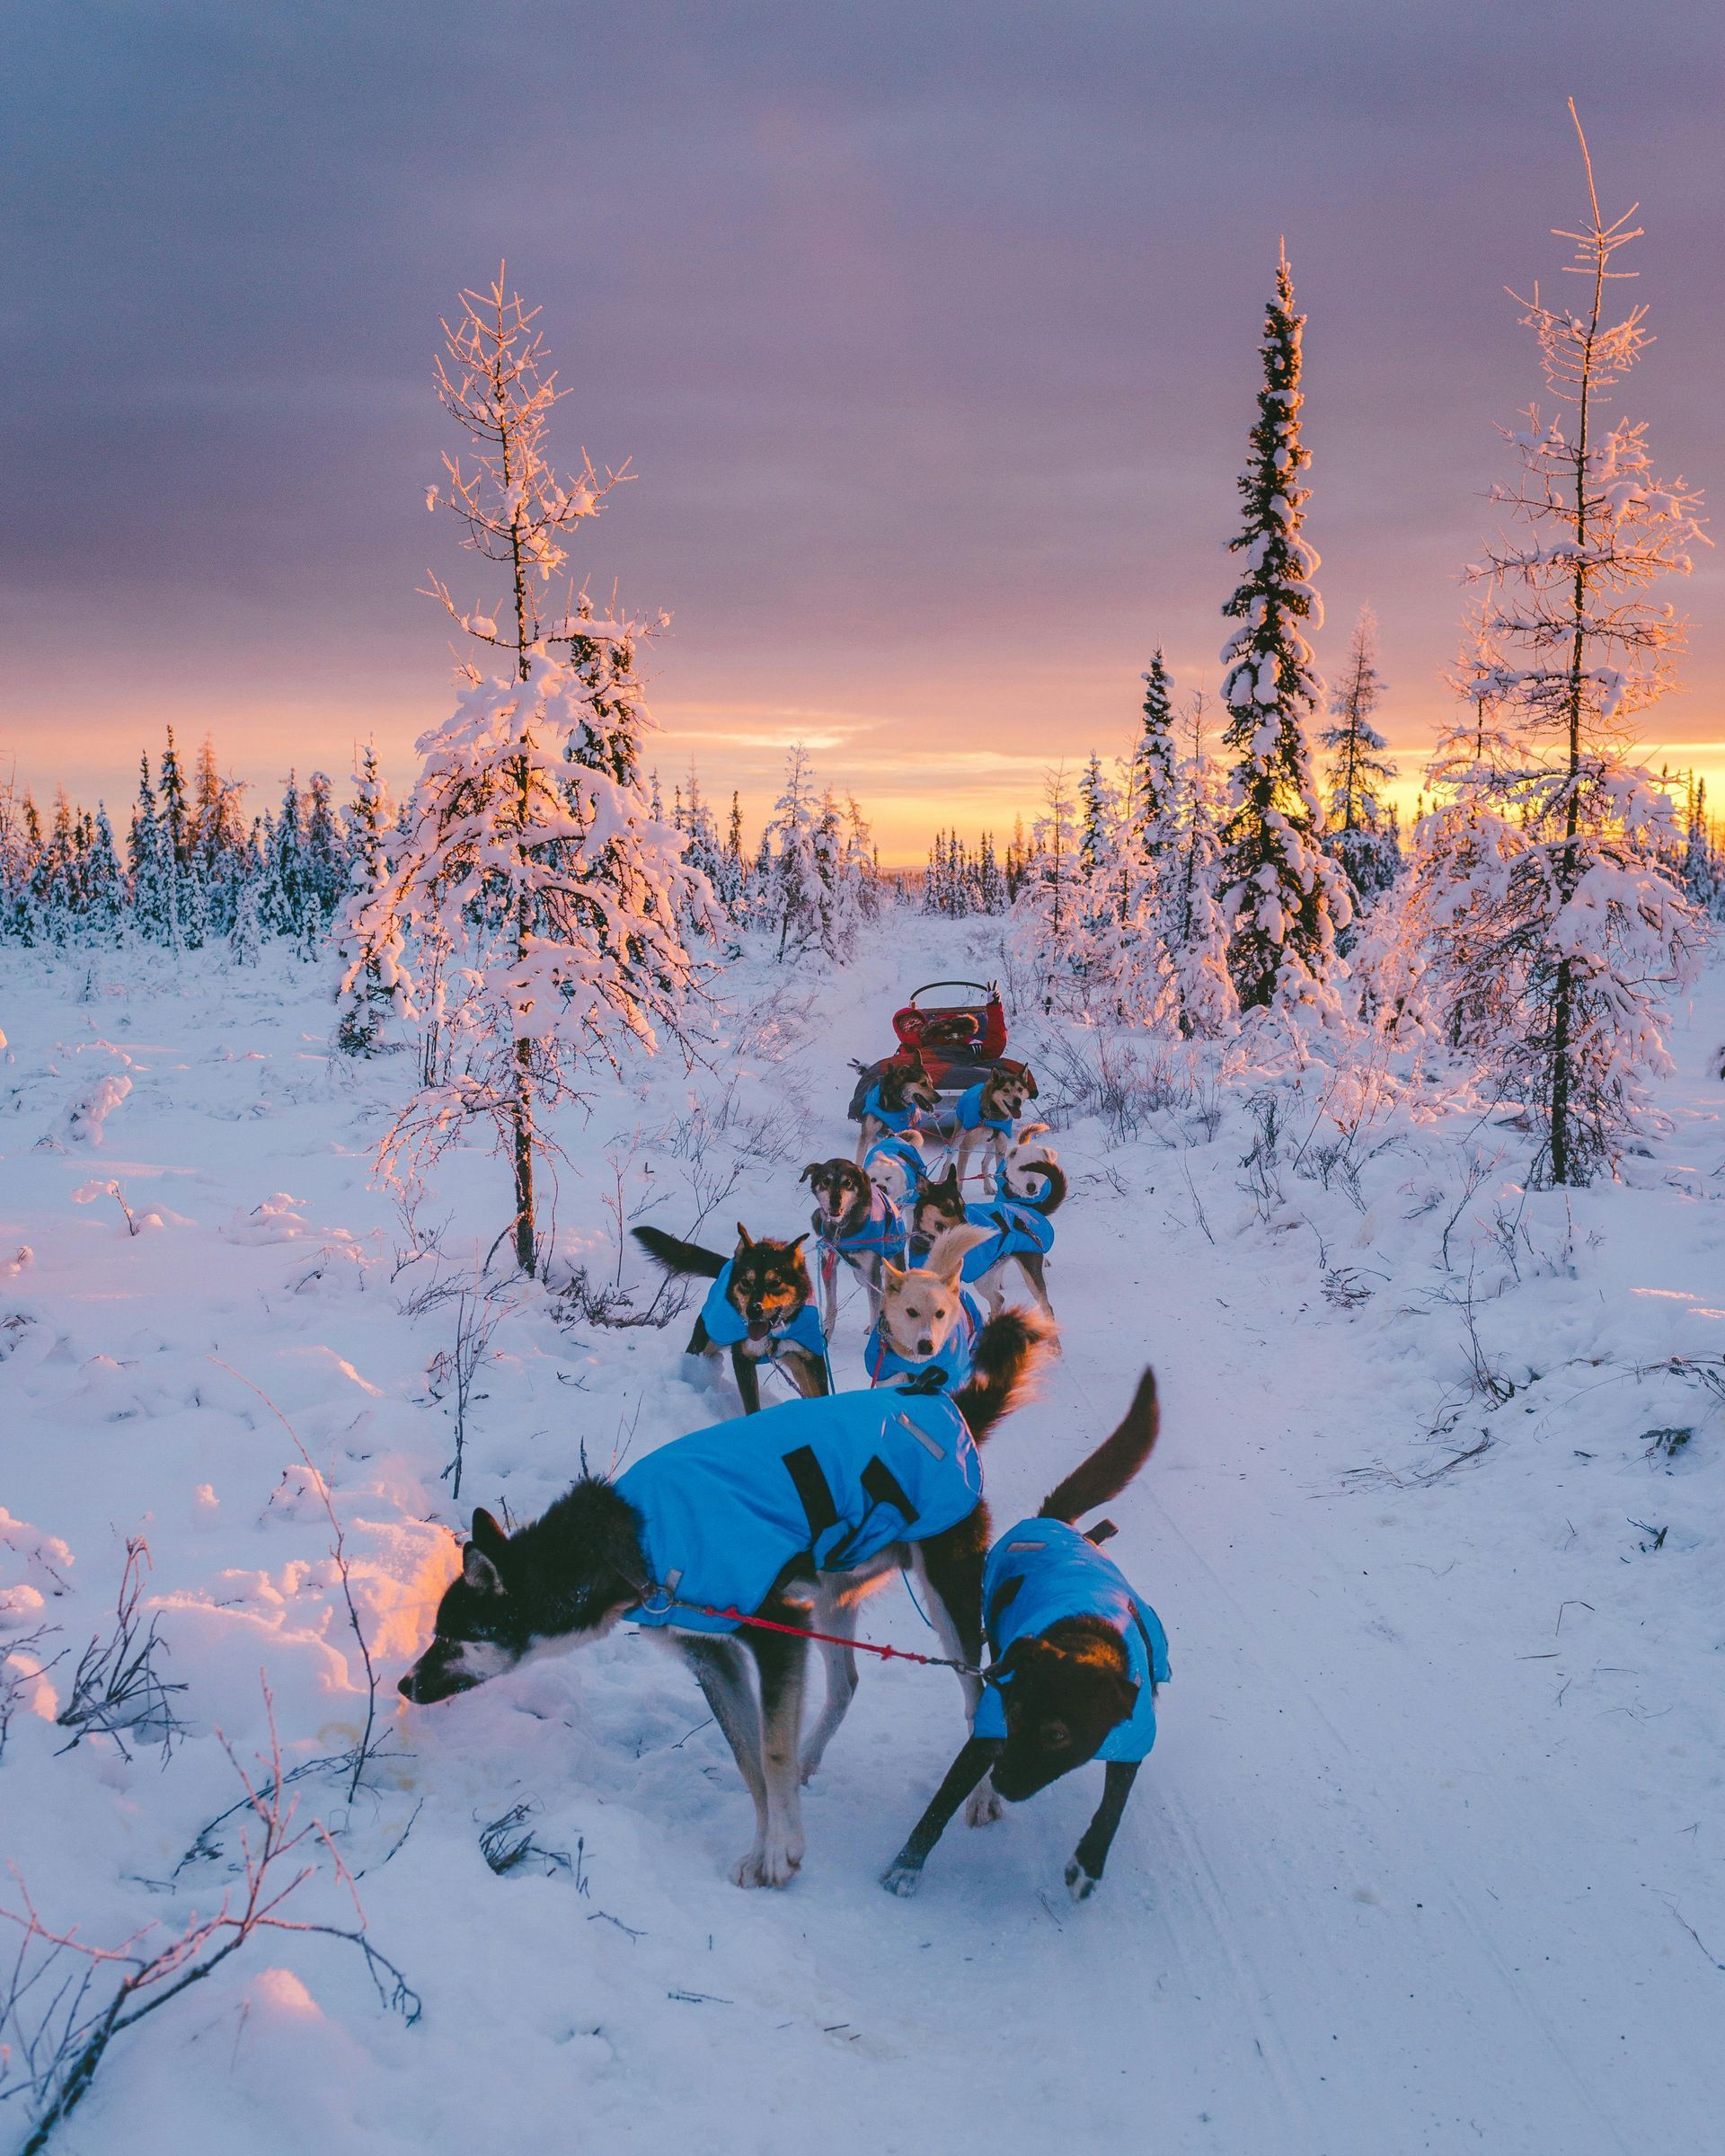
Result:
x=193 y=870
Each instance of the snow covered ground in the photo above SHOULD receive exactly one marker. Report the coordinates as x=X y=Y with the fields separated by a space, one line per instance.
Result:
x=1426 y=1858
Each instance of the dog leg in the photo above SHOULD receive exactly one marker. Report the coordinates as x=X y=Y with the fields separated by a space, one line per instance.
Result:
x=993 y=1285
x=1029 y=1263
x=839 y=1664
x=904 y=1874
x=721 y=1672
x=950 y=1565
x=808 y=1373
x=781 y=1661
x=870 y=1131
x=967 y=1146
x=746 y=1371
x=1084 y=1873
x=828 y=1294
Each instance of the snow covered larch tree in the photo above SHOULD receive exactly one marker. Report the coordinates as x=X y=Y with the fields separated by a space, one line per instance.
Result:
x=1284 y=897
x=1578 y=924
x=531 y=853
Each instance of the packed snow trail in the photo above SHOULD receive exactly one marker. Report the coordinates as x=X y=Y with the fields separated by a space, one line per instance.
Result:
x=1379 y=1889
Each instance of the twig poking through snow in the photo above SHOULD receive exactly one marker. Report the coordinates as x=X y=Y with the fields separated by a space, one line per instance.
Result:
x=338 y=1553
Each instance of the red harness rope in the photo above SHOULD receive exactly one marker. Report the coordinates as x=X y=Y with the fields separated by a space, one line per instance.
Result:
x=800 y=1631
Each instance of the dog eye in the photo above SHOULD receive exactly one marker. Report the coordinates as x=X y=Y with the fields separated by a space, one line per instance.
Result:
x=1056 y=1735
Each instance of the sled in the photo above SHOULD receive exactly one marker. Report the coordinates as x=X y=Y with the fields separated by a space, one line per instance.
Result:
x=959 y=1043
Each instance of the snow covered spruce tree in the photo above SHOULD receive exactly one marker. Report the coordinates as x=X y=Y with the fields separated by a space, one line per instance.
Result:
x=1361 y=837
x=155 y=894
x=1284 y=897
x=531 y=848
x=1194 y=924
x=1577 y=925
x=1155 y=767
x=368 y=970
x=1048 y=927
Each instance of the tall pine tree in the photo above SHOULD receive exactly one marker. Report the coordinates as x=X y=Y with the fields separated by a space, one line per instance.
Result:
x=1284 y=897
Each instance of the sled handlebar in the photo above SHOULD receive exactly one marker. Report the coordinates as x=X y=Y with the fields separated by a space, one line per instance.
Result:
x=988 y=989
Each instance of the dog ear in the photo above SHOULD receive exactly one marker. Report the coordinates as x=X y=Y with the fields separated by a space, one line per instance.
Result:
x=791 y=1248
x=745 y=1241
x=488 y=1536
x=479 y=1572
x=1030 y=1081
x=811 y=1172
x=895 y=1275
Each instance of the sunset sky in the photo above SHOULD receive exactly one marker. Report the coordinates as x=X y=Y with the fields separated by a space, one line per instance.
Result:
x=929 y=329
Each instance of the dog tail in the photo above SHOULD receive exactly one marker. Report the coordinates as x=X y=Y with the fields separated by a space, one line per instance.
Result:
x=1114 y=1463
x=1054 y=1186
x=679 y=1256
x=1011 y=1349
x=950 y=1248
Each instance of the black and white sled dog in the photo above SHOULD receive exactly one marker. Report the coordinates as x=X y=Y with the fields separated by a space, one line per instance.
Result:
x=1078 y=1655
x=793 y=1515
x=855 y=1223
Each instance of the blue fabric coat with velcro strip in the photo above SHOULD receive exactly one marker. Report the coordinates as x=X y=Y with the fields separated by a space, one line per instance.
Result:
x=969 y=1111
x=881 y=1234
x=726 y=1324
x=893 y=1118
x=1015 y=1230
x=954 y=1362
x=723 y=1511
x=1043 y=1570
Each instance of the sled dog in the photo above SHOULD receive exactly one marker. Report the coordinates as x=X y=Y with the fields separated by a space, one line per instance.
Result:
x=760 y=1306
x=1077 y=1657
x=793 y=1517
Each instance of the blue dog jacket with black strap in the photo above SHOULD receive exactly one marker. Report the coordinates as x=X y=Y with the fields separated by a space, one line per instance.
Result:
x=951 y=1368
x=1015 y=1229
x=726 y=1325
x=1043 y=1570
x=893 y=1118
x=723 y=1511
x=971 y=1118
x=881 y=1234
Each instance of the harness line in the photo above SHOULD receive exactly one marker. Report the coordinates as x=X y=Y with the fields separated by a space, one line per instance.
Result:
x=799 y=1631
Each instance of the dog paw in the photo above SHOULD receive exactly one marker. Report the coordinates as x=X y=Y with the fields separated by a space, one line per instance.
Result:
x=983 y=1807
x=902 y=1879
x=771 y=1867
x=1080 y=1884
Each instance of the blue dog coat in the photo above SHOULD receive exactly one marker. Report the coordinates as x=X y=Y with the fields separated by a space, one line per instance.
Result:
x=724 y=1511
x=904 y=1156
x=971 y=1118
x=894 y=1118
x=882 y=1233
x=1043 y=1570
x=726 y=1324
x=953 y=1364
x=1015 y=1228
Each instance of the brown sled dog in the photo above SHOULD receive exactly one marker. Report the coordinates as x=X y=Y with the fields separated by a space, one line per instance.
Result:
x=767 y=1291
x=1067 y=1686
